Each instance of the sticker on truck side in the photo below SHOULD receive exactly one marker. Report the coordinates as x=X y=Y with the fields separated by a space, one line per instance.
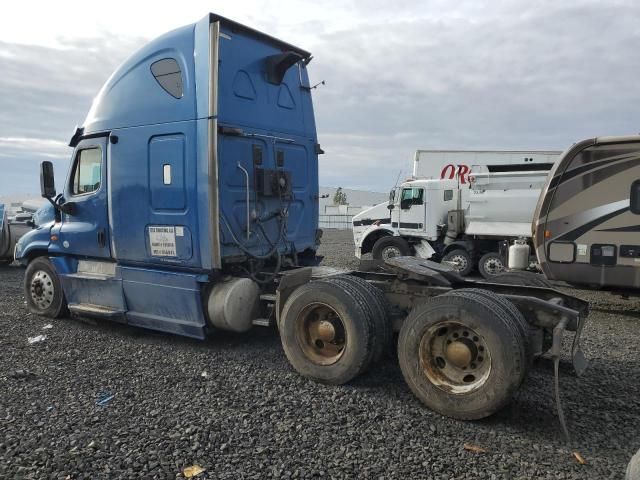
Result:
x=162 y=240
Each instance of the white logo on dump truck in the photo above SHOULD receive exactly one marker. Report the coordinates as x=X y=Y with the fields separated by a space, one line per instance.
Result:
x=162 y=241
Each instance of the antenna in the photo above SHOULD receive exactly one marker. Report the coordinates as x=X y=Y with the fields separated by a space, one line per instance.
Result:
x=397 y=179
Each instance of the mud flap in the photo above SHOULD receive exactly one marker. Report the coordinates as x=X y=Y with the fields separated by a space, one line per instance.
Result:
x=556 y=348
x=580 y=364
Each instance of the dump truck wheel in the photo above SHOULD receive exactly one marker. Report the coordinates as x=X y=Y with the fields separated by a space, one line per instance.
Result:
x=633 y=469
x=43 y=290
x=381 y=316
x=327 y=331
x=390 y=247
x=527 y=279
x=490 y=265
x=462 y=355
x=509 y=309
x=460 y=261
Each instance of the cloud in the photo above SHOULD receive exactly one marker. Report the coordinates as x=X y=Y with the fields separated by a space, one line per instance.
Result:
x=513 y=78
x=469 y=74
x=46 y=91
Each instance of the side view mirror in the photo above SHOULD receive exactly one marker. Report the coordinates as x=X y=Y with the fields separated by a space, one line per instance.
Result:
x=47 y=180
x=391 y=206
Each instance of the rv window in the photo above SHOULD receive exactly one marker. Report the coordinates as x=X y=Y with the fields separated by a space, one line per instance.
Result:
x=87 y=171
x=167 y=73
x=634 y=197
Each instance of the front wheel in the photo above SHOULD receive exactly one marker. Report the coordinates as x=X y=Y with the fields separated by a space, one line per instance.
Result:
x=390 y=247
x=43 y=290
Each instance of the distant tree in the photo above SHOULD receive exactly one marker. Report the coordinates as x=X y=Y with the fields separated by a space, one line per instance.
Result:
x=340 y=198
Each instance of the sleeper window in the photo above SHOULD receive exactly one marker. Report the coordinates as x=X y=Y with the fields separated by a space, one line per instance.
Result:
x=87 y=171
x=168 y=74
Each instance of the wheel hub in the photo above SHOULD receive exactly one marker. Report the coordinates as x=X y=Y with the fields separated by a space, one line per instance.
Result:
x=493 y=266
x=461 y=352
x=321 y=334
x=42 y=290
x=454 y=357
x=459 y=262
x=391 y=252
x=326 y=331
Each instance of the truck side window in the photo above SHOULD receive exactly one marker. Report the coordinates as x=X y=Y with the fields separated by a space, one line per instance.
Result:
x=411 y=196
x=634 y=197
x=87 y=171
x=168 y=74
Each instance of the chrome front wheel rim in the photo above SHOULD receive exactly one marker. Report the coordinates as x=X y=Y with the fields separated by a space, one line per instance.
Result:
x=42 y=289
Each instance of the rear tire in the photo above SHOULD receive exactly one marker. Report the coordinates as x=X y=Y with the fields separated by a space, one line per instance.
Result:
x=490 y=265
x=390 y=247
x=464 y=376
x=460 y=261
x=43 y=290
x=382 y=314
x=327 y=332
x=526 y=279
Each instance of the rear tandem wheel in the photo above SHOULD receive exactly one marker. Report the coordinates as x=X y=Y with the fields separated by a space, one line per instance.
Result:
x=463 y=355
x=328 y=331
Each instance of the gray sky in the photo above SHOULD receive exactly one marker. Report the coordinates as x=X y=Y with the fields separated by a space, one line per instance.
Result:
x=400 y=75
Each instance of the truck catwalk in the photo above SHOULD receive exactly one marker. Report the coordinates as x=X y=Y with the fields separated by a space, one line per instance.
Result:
x=234 y=406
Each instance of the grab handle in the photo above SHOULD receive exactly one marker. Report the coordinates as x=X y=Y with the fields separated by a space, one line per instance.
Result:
x=246 y=174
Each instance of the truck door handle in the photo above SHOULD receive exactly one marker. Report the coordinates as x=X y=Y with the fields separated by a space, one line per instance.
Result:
x=102 y=238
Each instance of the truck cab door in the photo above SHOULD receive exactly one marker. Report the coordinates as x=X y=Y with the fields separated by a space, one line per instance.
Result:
x=412 y=211
x=85 y=231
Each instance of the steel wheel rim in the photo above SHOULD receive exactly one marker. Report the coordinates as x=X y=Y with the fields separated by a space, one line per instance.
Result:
x=454 y=357
x=493 y=266
x=321 y=334
x=459 y=262
x=42 y=289
x=391 y=252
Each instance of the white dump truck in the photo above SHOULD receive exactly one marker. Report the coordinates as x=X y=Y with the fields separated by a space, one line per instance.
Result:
x=462 y=220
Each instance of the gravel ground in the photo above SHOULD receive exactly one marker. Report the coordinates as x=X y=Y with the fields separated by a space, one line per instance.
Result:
x=233 y=406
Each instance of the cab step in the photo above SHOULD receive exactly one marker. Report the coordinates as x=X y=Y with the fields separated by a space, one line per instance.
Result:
x=97 y=311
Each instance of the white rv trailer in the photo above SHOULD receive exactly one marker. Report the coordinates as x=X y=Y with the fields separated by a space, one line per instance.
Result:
x=452 y=164
x=443 y=219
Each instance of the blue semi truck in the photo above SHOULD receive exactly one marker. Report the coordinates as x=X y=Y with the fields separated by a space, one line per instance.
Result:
x=191 y=206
